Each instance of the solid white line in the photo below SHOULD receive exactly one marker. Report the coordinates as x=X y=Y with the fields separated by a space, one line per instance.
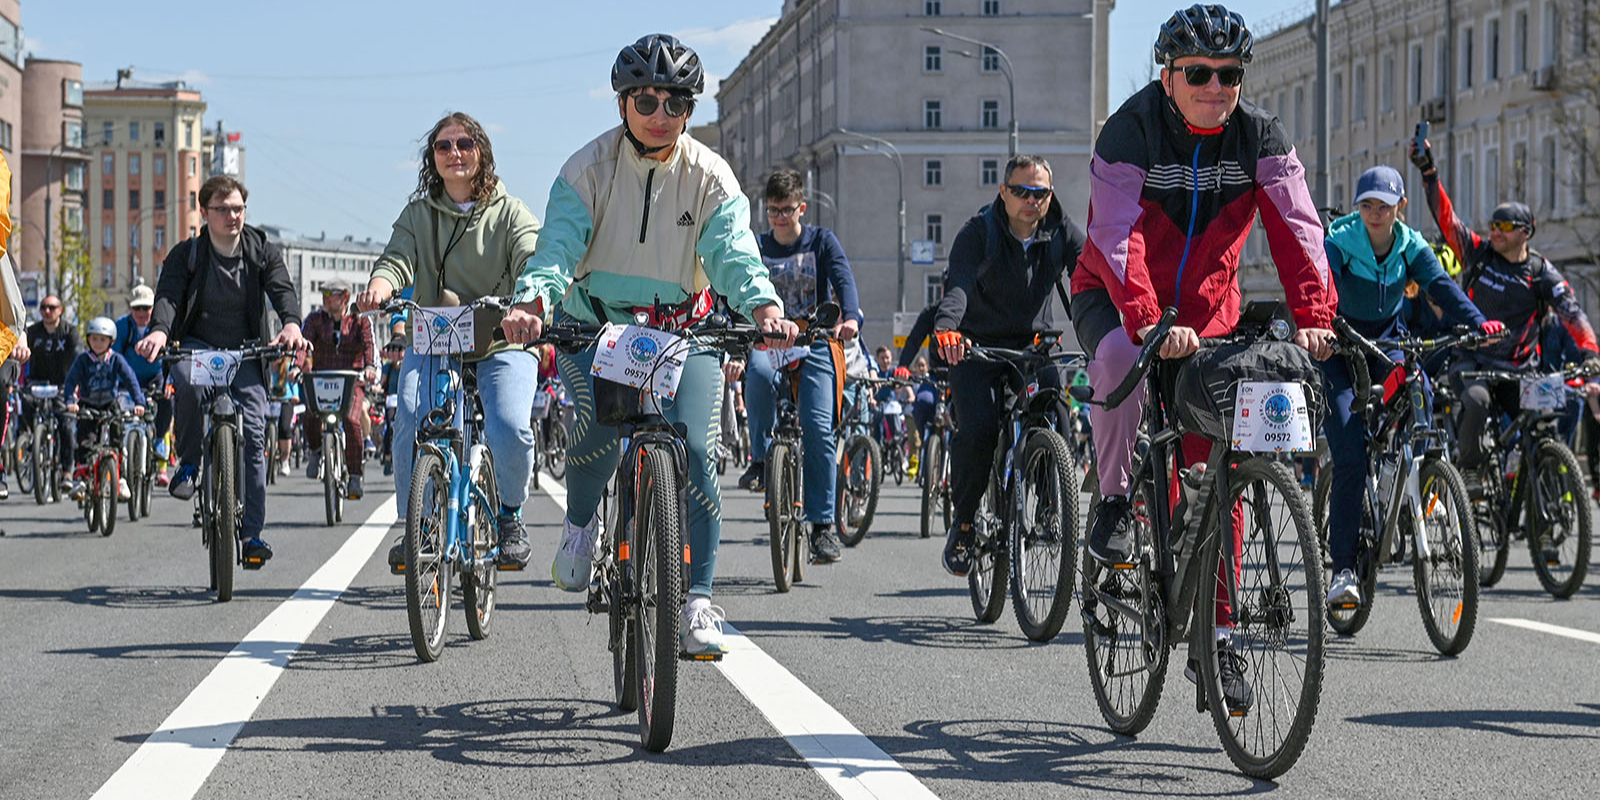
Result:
x=176 y=760
x=845 y=758
x=1570 y=633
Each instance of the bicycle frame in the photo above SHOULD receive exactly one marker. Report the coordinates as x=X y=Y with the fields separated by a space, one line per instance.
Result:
x=1527 y=427
x=452 y=433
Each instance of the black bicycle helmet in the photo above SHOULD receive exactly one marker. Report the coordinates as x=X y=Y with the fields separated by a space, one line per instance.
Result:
x=658 y=60
x=1203 y=30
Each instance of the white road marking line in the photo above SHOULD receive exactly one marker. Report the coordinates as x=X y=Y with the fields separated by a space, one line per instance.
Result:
x=843 y=756
x=176 y=760
x=1557 y=630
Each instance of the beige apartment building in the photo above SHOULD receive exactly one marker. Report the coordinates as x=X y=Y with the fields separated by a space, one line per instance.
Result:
x=11 y=105
x=53 y=167
x=145 y=177
x=1504 y=85
x=829 y=69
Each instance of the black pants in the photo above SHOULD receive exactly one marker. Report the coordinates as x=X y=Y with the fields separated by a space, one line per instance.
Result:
x=978 y=391
x=1481 y=406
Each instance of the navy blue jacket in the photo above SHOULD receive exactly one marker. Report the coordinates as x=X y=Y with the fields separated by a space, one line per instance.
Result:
x=803 y=271
x=99 y=380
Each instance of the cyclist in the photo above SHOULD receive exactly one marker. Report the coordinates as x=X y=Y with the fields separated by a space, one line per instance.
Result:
x=339 y=341
x=1003 y=266
x=212 y=293
x=614 y=248
x=1373 y=255
x=283 y=387
x=927 y=391
x=131 y=327
x=55 y=345
x=93 y=381
x=393 y=353
x=462 y=236
x=1179 y=174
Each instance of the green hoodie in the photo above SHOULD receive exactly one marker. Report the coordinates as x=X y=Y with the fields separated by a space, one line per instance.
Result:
x=492 y=242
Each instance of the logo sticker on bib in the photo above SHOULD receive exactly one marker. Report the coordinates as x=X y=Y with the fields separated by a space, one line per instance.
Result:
x=442 y=330
x=1271 y=418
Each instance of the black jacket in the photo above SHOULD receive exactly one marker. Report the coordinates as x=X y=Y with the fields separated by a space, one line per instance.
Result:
x=180 y=290
x=53 y=353
x=994 y=292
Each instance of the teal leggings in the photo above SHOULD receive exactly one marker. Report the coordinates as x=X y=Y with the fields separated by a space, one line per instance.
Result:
x=593 y=455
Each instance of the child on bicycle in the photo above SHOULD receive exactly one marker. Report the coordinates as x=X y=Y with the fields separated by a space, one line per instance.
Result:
x=93 y=381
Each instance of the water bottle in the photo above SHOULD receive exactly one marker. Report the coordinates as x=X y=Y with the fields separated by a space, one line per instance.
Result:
x=1388 y=468
x=1192 y=491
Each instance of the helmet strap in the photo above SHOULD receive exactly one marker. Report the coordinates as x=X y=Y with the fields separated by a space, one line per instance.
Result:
x=639 y=146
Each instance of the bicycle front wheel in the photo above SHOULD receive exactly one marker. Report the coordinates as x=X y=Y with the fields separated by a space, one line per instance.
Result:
x=44 y=478
x=658 y=554
x=1044 y=536
x=479 y=581
x=1559 y=531
x=931 y=477
x=24 y=460
x=991 y=565
x=330 y=478
x=136 y=460
x=556 y=450
x=427 y=567
x=783 y=514
x=105 y=481
x=1446 y=578
x=857 y=490
x=1270 y=592
x=224 y=510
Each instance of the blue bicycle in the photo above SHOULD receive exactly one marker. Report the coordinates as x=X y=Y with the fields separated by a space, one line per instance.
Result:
x=451 y=506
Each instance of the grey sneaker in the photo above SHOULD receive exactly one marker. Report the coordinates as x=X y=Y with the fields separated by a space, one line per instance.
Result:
x=514 y=549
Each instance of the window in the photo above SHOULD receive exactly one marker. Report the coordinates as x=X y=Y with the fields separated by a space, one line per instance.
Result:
x=160 y=198
x=160 y=237
x=106 y=240
x=932 y=58
x=133 y=131
x=989 y=172
x=991 y=8
x=990 y=117
x=1549 y=34
x=1519 y=43
x=160 y=132
x=72 y=134
x=158 y=163
x=933 y=172
x=1386 y=84
x=1467 y=180
x=1358 y=107
x=933 y=226
x=931 y=8
x=194 y=165
x=133 y=199
x=991 y=59
x=74 y=216
x=1441 y=66
x=133 y=163
x=932 y=289
x=133 y=237
x=193 y=205
x=1299 y=112
x=932 y=114
x=72 y=92
x=108 y=275
x=108 y=164
x=1414 y=95
x=1491 y=181
x=73 y=180
x=1466 y=58
x=1336 y=102
x=1519 y=169
x=1547 y=166
x=108 y=133
x=108 y=198
x=6 y=131
x=1491 y=51
x=133 y=271
x=188 y=135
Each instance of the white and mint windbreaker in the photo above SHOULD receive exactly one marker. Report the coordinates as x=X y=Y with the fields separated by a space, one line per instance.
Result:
x=627 y=230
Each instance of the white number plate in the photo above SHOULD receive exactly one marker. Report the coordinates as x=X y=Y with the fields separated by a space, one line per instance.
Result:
x=329 y=393
x=1271 y=418
x=635 y=356
x=442 y=330
x=44 y=391
x=785 y=357
x=213 y=368
x=1544 y=393
x=891 y=408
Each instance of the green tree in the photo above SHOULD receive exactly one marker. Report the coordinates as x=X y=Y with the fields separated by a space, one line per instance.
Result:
x=79 y=291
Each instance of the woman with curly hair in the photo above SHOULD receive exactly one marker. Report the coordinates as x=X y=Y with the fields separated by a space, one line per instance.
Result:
x=460 y=238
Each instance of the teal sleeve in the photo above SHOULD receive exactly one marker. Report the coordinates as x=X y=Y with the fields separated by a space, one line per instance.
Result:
x=731 y=259
x=568 y=228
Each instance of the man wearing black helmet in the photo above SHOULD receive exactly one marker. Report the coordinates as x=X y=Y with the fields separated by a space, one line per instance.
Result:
x=646 y=215
x=1178 y=176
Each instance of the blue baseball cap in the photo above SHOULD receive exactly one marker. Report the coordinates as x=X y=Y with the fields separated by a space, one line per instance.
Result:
x=1381 y=183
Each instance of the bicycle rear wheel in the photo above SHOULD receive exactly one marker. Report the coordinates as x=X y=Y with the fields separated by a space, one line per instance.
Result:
x=272 y=449
x=1494 y=546
x=478 y=581
x=856 y=500
x=1560 y=550
x=1044 y=537
x=928 y=477
x=224 y=511
x=624 y=661
x=783 y=513
x=44 y=448
x=1276 y=604
x=991 y=565
x=1447 y=578
x=1124 y=625
x=136 y=460
x=658 y=554
x=1344 y=621
x=427 y=570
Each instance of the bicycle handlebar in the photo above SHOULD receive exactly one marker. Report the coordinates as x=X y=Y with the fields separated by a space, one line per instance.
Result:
x=1084 y=393
x=267 y=351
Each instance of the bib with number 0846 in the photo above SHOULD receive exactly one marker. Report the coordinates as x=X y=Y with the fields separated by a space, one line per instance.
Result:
x=1544 y=392
x=443 y=330
x=636 y=357
x=1272 y=418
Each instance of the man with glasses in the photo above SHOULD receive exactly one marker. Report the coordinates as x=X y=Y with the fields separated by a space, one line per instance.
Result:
x=339 y=340
x=1005 y=265
x=132 y=327
x=55 y=345
x=212 y=293
x=805 y=262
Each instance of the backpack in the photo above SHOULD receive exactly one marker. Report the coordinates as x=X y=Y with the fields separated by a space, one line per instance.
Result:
x=1058 y=252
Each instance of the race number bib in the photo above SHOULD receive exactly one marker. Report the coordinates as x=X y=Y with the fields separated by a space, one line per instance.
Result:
x=44 y=391
x=891 y=408
x=1544 y=393
x=785 y=357
x=640 y=357
x=443 y=330
x=1271 y=418
x=328 y=392
x=392 y=401
x=213 y=368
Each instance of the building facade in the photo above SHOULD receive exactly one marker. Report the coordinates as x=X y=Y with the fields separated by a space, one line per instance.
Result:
x=145 y=142
x=312 y=261
x=11 y=107
x=1508 y=88
x=54 y=166
x=831 y=72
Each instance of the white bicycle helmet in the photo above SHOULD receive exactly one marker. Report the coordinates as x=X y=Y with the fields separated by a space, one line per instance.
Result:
x=101 y=326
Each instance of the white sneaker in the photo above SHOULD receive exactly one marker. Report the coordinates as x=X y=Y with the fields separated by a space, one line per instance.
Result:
x=1345 y=589
x=702 y=627
x=283 y=468
x=122 y=489
x=573 y=568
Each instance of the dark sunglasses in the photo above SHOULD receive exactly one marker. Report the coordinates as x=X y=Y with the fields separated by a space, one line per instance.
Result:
x=1505 y=225
x=677 y=105
x=465 y=144
x=1200 y=75
x=49 y=308
x=1025 y=192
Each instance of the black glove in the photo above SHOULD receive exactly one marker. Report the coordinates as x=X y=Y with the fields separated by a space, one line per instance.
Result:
x=1422 y=158
x=1591 y=363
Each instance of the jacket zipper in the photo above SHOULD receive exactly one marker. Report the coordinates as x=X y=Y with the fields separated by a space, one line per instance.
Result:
x=644 y=222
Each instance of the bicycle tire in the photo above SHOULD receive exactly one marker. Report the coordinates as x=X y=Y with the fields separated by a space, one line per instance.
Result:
x=1345 y=622
x=1494 y=544
x=1270 y=608
x=991 y=565
x=1566 y=502
x=225 y=508
x=43 y=460
x=1127 y=657
x=930 y=477
x=105 y=480
x=1044 y=554
x=557 y=451
x=856 y=489
x=22 y=453
x=658 y=550
x=624 y=662
x=481 y=578
x=272 y=449
x=427 y=572
x=782 y=514
x=136 y=460
x=330 y=478
x=1446 y=580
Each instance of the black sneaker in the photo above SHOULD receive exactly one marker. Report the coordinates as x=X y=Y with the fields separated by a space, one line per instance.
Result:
x=752 y=478
x=352 y=490
x=514 y=549
x=397 y=555
x=1111 y=538
x=1237 y=692
x=824 y=543
x=256 y=553
x=958 y=550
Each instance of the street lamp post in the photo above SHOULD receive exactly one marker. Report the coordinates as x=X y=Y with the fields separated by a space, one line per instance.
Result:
x=1005 y=61
x=900 y=183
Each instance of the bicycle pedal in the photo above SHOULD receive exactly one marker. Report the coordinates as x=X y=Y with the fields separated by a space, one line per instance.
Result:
x=1124 y=566
x=397 y=569
x=510 y=567
x=1236 y=713
x=254 y=563
x=1346 y=606
x=686 y=656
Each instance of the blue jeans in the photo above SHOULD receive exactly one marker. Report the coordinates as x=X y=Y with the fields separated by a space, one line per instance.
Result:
x=818 y=387
x=506 y=384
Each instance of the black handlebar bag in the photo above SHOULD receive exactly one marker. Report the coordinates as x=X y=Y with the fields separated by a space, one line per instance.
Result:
x=1206 y=385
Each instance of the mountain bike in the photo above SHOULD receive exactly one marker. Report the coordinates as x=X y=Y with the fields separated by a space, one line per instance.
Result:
x=328 y=394
x=1412 y=494
x=19 y=442
x=934 y=474
x=895 y=443
x=1190 y=568
x=46 y=464
x=99 y=498
x=139 y=464
x=860 y=471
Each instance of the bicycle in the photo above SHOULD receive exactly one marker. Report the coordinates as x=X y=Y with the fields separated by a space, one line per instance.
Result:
x=328 y=394
x=895 y=445
x=46 y=465
x=219 y=502
x=1026 y=529
x=1134 y=614
x=140 y=465
x=550 y=437
x=934 y=475
x=733 y=442
x=453 y=497
x=643 y=555
x=860 y=471
x=18 y=442
x=99 y=498
x=1410 y=482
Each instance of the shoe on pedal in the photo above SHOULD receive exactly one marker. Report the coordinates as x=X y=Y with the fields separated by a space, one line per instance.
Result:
x=1111 y=538
x=162 y=478
x=5 y=491
x=256 y=553
x=183 y=484
x=1345 y=591
x=123 y=493
x=753 y=477
x=514 y=549
x=283 y=468
x=1237 y=693
x=314 y=464
x=573 y=568
x=702 y=629
x=397 y=554
x=353 y=490
x=824 y=543
x=958 y=550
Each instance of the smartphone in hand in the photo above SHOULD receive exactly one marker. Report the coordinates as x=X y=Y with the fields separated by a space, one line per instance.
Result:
x=1419 y=143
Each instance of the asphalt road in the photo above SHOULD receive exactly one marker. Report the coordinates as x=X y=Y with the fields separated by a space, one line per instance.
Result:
x=107 y=637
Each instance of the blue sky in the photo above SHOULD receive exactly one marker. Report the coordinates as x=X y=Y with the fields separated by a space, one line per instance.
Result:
x=333 y=96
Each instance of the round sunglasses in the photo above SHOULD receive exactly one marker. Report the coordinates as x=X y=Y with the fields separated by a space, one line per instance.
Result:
x=676 y=105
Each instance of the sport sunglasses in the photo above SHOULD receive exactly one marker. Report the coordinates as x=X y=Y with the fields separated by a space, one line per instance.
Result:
x=646 y=104
x=1025 y=192
x=1505 y=225
x=1200 y=75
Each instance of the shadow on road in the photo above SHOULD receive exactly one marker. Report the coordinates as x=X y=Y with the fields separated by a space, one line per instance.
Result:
x=1508 y=722
x=153 y=597
x=938 y=632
